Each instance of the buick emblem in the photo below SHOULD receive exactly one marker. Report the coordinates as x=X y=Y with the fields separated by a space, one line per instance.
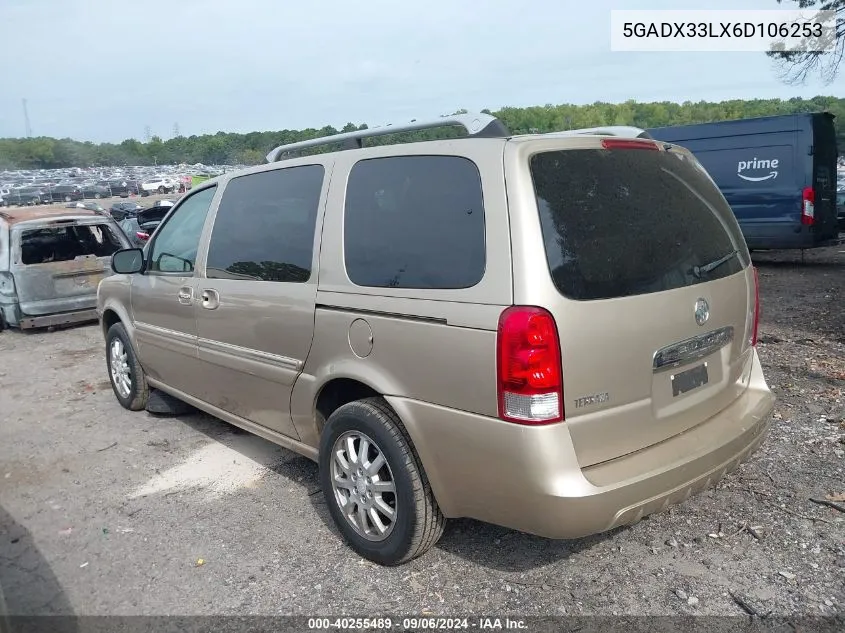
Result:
x=702 y=311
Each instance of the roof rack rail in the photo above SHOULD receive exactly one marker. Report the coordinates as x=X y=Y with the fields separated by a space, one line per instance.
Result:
x=477 y=125
x=624 y=131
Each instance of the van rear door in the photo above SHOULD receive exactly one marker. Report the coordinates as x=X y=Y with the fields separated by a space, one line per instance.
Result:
x=653 y=292
x=57 y=265
x=824 y=178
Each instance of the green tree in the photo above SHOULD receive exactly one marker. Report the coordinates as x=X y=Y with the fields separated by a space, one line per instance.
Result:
x=251 y=148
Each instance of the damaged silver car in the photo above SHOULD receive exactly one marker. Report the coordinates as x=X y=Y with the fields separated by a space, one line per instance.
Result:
x=51 y=262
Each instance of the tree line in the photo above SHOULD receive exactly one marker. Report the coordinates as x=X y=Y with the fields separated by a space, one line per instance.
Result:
x=249 y=149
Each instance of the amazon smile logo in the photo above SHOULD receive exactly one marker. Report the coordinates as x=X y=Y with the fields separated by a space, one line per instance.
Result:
x=757 y=165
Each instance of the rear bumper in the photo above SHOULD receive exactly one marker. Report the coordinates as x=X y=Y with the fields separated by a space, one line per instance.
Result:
x=63 y=318
x=13 y=315
x=529 y=479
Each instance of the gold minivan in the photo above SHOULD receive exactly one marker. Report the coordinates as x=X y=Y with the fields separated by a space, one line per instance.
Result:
x=553 y=333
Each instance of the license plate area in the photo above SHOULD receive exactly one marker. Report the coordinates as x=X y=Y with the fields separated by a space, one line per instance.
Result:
x=688 y=380
x=84 y=282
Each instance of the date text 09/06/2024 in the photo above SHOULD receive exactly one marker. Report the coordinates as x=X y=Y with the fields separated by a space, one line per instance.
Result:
x=416 y=624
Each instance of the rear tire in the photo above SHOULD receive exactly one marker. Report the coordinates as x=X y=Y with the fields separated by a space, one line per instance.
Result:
x=68 y=199
x=162 y=190
x=416 y=523
x=127 y=377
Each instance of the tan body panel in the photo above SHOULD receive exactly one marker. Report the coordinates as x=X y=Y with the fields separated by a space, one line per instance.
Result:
x=250 y=370
x=530 y=479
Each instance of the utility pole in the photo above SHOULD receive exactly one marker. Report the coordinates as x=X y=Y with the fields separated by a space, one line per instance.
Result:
x=176 y=130
x=148 y=134
x=26 y=120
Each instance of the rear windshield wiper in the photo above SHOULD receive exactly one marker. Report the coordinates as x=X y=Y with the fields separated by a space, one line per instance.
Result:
x=700 y=271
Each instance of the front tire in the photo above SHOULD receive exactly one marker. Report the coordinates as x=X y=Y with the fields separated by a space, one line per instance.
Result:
x=374 y=485
x=68 y=199
x=162 y=190
x=126 y=375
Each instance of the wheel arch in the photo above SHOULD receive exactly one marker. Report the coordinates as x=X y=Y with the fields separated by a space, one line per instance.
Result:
x=335 y=393
x=113 y=312
x=351 y=381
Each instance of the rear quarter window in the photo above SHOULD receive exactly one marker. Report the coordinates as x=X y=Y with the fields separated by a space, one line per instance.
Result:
x=617 y=223
x=414 y=222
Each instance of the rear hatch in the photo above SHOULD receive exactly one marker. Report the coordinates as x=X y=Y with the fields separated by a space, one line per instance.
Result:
x=654 y=295
x=152 y=217
x=60 y=263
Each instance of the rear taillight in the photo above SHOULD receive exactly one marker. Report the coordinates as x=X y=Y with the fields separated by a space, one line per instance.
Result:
x=141 y=235
x=756 y=323
x=628 y=143
x=808 y=206
x=7 y=284
x=530 y=378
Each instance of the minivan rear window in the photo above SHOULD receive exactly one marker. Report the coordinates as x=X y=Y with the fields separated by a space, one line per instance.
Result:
x=624 y=222
x=66 y=243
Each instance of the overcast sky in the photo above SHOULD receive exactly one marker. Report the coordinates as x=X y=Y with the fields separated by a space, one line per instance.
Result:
x=103 y=70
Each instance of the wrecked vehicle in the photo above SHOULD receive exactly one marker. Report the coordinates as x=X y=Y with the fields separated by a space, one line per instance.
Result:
x=140 y=227
x=51 y=261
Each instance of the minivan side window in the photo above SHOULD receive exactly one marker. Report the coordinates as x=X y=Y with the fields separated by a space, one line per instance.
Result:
x=176 y=242
x=414 y=222
x=265 y=224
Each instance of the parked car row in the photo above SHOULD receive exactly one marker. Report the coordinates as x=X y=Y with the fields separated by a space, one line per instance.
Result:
x=68 y=191
x=28 y=196
x=30 y=187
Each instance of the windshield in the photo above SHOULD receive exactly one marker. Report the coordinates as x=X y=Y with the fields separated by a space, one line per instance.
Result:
x=617 y=223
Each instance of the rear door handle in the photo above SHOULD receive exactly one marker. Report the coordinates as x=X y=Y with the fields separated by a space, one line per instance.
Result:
x=210 y=299
x=186 y=295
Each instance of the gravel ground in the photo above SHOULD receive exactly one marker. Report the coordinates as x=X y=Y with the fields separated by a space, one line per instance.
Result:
x=103 y=511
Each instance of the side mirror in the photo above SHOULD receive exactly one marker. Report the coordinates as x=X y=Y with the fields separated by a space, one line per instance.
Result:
x=128 y=261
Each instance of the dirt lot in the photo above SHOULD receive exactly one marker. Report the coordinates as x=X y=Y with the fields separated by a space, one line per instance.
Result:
x=109 y=512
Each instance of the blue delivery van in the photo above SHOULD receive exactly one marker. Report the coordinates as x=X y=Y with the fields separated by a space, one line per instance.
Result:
x=778 y=174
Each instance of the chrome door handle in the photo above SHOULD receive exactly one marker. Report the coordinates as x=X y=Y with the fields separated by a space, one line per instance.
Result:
x=210 y=299
x=186 y=295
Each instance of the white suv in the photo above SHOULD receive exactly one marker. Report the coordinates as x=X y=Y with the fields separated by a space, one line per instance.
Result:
x=159 y=184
